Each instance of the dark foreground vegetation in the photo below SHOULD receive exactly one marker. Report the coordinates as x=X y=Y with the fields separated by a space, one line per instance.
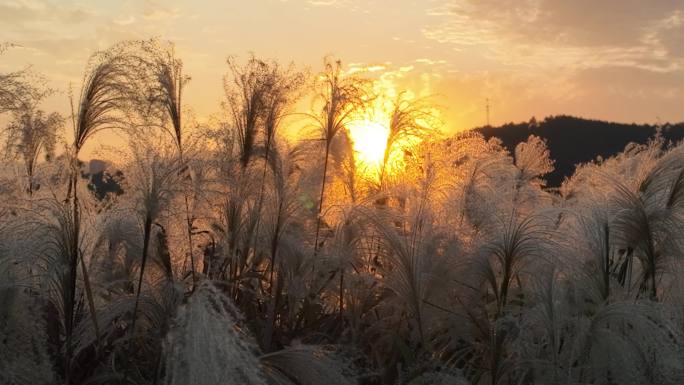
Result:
x=234 y=256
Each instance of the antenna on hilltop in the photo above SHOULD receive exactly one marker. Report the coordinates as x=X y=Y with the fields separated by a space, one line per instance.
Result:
x=658 y=127
x=487 y=108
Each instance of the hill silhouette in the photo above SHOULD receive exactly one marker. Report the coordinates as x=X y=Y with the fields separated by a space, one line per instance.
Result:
x=573 y=140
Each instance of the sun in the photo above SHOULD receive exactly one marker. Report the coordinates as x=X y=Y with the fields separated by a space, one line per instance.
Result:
x=369 y=140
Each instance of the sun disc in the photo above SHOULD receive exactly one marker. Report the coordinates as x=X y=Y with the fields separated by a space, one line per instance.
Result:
x=369 y=141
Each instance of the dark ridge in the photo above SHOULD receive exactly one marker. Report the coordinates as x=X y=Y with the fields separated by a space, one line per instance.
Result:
x=573 y=140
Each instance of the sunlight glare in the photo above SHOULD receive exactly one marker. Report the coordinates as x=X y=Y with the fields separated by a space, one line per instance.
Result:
x=369 y=141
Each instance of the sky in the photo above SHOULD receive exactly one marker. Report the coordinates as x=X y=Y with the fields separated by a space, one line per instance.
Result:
x=618 y=60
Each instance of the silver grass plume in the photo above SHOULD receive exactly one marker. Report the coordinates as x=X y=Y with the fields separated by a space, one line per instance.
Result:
x=207 y=345
x=310 y=365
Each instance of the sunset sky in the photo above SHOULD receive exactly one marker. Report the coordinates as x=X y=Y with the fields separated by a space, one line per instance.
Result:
x=620 y=60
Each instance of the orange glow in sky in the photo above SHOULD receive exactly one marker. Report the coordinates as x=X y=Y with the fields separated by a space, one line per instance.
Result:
x=529 y=58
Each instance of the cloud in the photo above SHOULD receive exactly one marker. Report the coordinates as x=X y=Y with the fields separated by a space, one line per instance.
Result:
x=668 y=34
x=27 y=16
x=323 y=3
x=357 y=6
x=430 y=61
x=628 y=82
x=128 y=20
x=558 y=33
x=609 y=59
x=165 y=14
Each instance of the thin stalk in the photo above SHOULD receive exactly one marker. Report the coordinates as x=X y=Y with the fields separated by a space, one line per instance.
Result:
x=275 y=302
x=146 y=240
x=385 y=160
x=606 y=269
x=341 y=295
x=189 y=221
x=89 y=295
x=274 y=246
x=73 y=262
x=320 y=201
x=179 y=141
x=260 y=202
